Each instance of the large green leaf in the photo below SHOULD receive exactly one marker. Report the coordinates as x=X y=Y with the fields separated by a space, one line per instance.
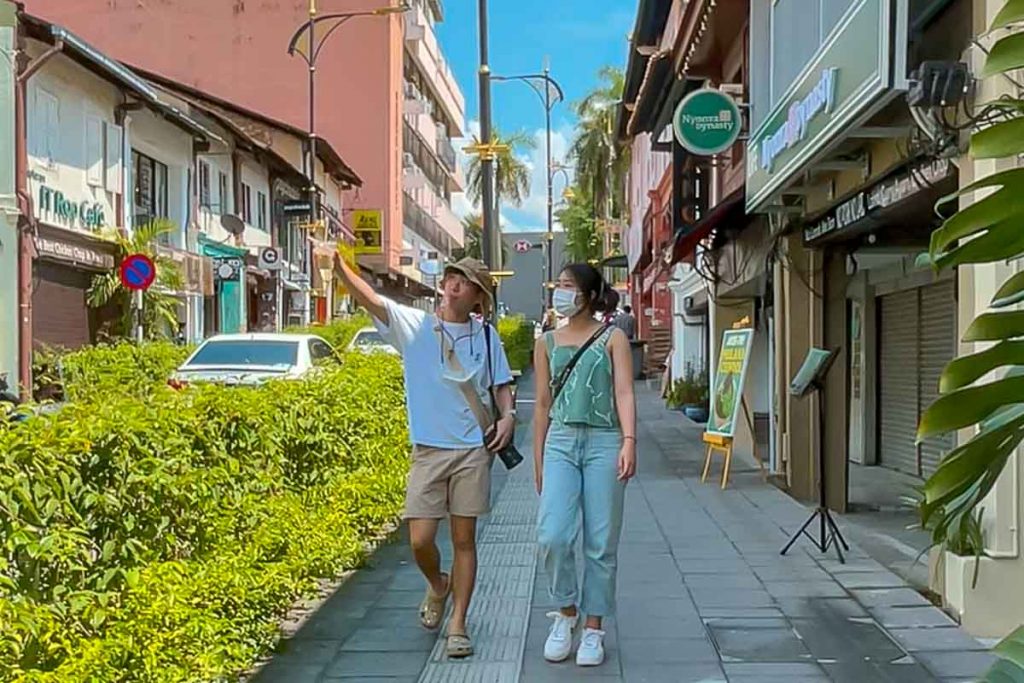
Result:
x=1010 y=667
x=1012 y=13
x=1006 y=55
x=996 y=141
x=968 y=369
x=1005 y=202
x=1011 y=292
x=996 y=326
x=1001 y=241
x=965 y=407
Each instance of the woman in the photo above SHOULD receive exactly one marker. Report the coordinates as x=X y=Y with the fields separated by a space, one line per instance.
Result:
x=584 y=453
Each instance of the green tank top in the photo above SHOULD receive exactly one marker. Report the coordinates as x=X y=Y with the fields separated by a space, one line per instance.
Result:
x=588 y=397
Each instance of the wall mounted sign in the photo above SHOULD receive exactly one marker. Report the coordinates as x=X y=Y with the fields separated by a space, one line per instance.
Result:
x=707 y=122
x=227 y=267
x=81 y=214
x=856 y=72
x=522 y=246
x=881 y=196
x=368 y=227
x=77 y=254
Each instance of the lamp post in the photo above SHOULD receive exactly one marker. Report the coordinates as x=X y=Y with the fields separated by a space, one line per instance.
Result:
x=543 y=84
x=308 y=44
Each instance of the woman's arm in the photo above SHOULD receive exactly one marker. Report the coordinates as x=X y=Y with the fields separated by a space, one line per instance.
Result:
x=541 y=408
x=625 y=402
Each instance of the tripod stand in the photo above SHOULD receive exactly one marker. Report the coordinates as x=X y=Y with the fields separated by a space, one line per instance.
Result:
x=828 y=531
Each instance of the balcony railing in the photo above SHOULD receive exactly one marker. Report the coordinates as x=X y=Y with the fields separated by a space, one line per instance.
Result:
x=427 y=158
x=446 y=152
x=424 y=225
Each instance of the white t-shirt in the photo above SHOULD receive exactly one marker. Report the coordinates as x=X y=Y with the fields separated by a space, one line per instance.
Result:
x=439 y=416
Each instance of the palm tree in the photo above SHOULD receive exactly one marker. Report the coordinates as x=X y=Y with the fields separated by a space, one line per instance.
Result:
x=473 y=231
x=601 y=160
x=583 y=241
x=512 y=174
x=159 y=305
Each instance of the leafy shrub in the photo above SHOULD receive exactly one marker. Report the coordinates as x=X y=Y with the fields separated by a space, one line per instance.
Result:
x=161 y=540
x=517 y=336
x=337 y=333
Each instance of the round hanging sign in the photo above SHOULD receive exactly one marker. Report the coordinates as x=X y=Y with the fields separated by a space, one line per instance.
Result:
x=137 y=272
x=707 y=122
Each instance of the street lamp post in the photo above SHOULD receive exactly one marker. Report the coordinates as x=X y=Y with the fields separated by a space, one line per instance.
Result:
x=307 y=44
x=533 y=80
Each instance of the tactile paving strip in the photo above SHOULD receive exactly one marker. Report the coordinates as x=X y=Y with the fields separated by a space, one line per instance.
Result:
x=499 y=615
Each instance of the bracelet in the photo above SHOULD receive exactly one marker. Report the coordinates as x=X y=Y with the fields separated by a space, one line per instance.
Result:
x=628 y=436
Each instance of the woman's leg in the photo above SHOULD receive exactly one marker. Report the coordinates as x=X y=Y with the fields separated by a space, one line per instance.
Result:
x=603 y=496
x=559 y=506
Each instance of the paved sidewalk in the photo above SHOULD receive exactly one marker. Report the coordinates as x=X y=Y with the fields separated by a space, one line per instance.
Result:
x=703 y=595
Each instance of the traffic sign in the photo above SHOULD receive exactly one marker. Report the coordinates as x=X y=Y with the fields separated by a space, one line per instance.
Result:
x=522 y=246
x=270 y=258
x=138 y=272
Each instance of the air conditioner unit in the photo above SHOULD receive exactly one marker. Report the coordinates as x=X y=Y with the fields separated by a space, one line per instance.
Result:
x=734 y=89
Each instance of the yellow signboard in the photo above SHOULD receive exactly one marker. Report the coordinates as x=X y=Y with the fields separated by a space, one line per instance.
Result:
x=367 y=224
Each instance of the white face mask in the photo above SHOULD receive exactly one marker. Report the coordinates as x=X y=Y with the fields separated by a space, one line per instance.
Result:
x=564 y=302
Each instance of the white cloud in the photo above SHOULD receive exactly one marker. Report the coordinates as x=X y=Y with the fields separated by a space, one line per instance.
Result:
x=532 y=215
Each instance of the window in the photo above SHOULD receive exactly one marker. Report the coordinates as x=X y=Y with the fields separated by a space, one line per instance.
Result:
x=47 y=118
x=320 y=353
x=246 y=203
x=223 y=193
x=205 y=200
x=94 y=149
x=150 y=188
x=261 y=208
x=243 y=353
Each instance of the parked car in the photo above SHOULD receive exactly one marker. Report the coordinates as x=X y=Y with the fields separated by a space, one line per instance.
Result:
x=252 y=359
x=369 y=340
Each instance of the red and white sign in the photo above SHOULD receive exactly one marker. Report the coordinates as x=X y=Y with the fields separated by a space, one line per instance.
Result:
x=522 y=246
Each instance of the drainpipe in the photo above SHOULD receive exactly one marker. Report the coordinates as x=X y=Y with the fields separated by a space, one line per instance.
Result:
x=26 y=220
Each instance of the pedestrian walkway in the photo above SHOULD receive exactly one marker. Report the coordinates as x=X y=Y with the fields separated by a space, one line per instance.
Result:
x=703 y=595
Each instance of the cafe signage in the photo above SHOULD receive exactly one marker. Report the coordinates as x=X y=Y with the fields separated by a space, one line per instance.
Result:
x=856 y=72
x=77 y=254
x=72 y=213
x=707 y=122
x=883 y=195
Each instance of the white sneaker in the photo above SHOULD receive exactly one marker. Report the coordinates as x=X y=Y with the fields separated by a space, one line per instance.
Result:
x=559 y=643
x=591 y=652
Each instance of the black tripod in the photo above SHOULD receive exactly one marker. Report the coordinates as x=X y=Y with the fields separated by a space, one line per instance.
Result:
x=828 y=531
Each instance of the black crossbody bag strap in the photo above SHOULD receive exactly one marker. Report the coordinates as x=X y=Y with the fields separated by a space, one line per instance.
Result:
x=490 y=368
x=563 y=376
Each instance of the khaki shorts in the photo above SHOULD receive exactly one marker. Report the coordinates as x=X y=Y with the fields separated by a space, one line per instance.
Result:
x=446 y=482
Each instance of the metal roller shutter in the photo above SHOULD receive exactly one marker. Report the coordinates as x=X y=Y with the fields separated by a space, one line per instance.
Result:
x=60 y=314
x=937 y=344
x=898 y=381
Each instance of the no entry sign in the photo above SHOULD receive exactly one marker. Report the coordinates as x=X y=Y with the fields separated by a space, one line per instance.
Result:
x=138 y=272
x=522 y=246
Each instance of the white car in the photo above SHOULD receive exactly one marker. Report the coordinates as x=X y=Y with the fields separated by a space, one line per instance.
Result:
x=251 y=359
x=369 y=340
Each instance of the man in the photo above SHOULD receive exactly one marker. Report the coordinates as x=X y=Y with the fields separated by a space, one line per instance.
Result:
x=626 y=322
x=451 y=467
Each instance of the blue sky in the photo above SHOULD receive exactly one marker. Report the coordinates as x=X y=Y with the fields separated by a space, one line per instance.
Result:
x=578 y=37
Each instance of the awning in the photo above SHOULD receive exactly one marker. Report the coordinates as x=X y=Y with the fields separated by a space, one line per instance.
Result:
x=687 y=240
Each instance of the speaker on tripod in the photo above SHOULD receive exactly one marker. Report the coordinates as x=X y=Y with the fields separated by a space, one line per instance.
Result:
x=810 y=379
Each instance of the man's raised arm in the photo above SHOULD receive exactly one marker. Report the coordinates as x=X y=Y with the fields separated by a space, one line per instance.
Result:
x=361 y=290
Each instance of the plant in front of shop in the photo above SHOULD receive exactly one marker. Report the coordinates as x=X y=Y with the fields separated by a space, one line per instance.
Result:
x=985 y=231
x=159 y=303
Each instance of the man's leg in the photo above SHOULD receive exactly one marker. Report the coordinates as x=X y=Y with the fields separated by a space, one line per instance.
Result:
x=422 y=537
x=463 y=570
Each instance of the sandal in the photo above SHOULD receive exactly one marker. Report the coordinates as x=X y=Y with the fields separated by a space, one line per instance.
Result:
x=432 y=607
x=458 y=646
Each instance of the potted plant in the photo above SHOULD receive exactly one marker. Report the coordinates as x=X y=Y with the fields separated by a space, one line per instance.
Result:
x=695 y=401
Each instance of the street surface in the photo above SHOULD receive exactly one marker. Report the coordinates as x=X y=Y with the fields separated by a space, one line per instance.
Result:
x=704 y=595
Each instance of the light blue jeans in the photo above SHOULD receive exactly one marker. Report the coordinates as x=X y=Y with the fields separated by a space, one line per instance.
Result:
x=581 y=479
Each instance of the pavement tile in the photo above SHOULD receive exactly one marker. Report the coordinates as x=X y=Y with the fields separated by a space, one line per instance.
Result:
x=912 y=617
x=373 y=664
x=739 y=598
x=890 y=597
x=667 y=650
x=884 y=579
x=807 y=589
x=957 y=664
x=758 y=644
x=673 y=673
x=874 y=672
x=774 y=672
x=847 y=640
x=844 y=608
x=950 y=639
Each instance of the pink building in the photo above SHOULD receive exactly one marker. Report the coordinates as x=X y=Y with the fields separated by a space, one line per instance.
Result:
x=386 y=98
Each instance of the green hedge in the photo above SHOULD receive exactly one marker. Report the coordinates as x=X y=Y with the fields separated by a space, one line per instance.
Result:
x=161 y=540
x=338 y=333
x=517 y=336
